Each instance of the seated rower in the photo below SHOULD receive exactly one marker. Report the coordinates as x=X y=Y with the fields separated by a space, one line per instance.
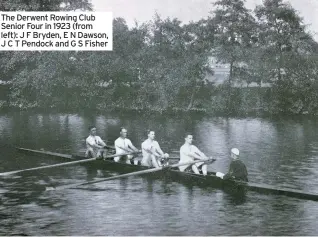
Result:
x=190 y=153
x=124 y=145
x=237 y=169
x=152 y=154
x=95 y=145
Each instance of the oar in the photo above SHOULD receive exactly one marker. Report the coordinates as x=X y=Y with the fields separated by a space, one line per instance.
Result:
x=109 y=147
x=127 y=175
x=63 y=164
x=169 y=158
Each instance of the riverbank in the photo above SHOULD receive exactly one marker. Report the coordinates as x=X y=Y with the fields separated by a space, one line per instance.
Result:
x=175 y=112
x=218 y=101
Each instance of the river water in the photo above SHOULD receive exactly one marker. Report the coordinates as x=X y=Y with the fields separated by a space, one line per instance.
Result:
x=281 y=152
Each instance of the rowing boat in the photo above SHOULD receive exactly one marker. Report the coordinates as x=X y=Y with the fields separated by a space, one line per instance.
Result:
x=210 y=180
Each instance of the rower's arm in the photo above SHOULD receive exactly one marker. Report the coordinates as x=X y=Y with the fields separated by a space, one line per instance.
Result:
x=148 y=150
x=158 y=150
x=132 y=147
x=155 y=153
x=201 y=154
x=93 y=144
x=197 y=154
x=194 y=155
x=118 y=145
x=125 y=149
x=100 y=141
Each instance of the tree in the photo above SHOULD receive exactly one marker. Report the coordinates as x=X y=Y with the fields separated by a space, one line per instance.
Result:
x=34 y=74
x=45 y=5
x=281 y=31
x=175 y=60
x=283 y=40
x=235 y=33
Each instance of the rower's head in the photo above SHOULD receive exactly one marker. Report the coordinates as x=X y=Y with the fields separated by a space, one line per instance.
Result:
x=188 y=138
x=92 y=130
x=235 y=153
x=151 y=134
x=123 y=132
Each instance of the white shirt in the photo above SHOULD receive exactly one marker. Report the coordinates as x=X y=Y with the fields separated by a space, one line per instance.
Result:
x=92 y=141
x=153 y=146
x=122 y=143
x=185 y=150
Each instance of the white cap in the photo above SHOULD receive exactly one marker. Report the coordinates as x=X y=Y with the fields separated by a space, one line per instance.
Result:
x=235 y=151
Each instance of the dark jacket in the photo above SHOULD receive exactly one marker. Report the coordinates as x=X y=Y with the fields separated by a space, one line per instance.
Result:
x=237 y=171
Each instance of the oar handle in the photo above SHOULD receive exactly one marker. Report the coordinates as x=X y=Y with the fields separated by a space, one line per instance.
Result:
x=109 y=147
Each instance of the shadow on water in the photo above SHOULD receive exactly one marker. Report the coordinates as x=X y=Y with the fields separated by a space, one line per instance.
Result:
x=236 y=197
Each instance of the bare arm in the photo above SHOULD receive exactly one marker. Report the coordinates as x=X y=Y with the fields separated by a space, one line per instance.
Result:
x=118 y=145
x=150 y=151
x=128 y=150
x=193 y=155
x=93 y=144
x=131 y=146
x=158 y=150
x=197 y=154
x=201 y=154
x=155 y=153
x=100 y=141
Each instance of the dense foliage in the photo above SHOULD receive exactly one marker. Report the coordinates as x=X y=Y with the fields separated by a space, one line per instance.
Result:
x=163 y=64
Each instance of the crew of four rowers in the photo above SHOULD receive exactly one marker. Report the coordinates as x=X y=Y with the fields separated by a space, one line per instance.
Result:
x=153 y=156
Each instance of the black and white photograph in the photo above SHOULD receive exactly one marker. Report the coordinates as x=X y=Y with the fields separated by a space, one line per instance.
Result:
x=158 y=117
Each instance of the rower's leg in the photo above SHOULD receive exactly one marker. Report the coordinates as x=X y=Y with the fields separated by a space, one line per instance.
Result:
x=100 y=153
x=104 y=153
x=128 y=159
x=154 y=162
x=90 y=153
x=133 y=161
x=195 y=169
x=183 y=168
x=159 y=162
x=136 y=162
x=204 y=169
x=117 y=158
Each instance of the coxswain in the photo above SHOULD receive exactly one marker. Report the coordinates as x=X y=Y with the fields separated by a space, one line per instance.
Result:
x=152 y=155
x=124 y=145
x=237 y=168
x=95 y=145
x=190 y=153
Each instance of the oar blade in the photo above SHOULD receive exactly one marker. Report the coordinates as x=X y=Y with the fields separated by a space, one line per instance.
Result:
x=8 y=173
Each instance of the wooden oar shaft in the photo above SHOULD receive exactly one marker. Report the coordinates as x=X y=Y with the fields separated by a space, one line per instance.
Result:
x=127 y=175
x=110 y=147
x=62 y=164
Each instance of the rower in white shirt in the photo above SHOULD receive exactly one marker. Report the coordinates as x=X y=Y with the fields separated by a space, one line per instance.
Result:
x=189 y=153
x=151 y=152
x=124 y=145
x=95 y=145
